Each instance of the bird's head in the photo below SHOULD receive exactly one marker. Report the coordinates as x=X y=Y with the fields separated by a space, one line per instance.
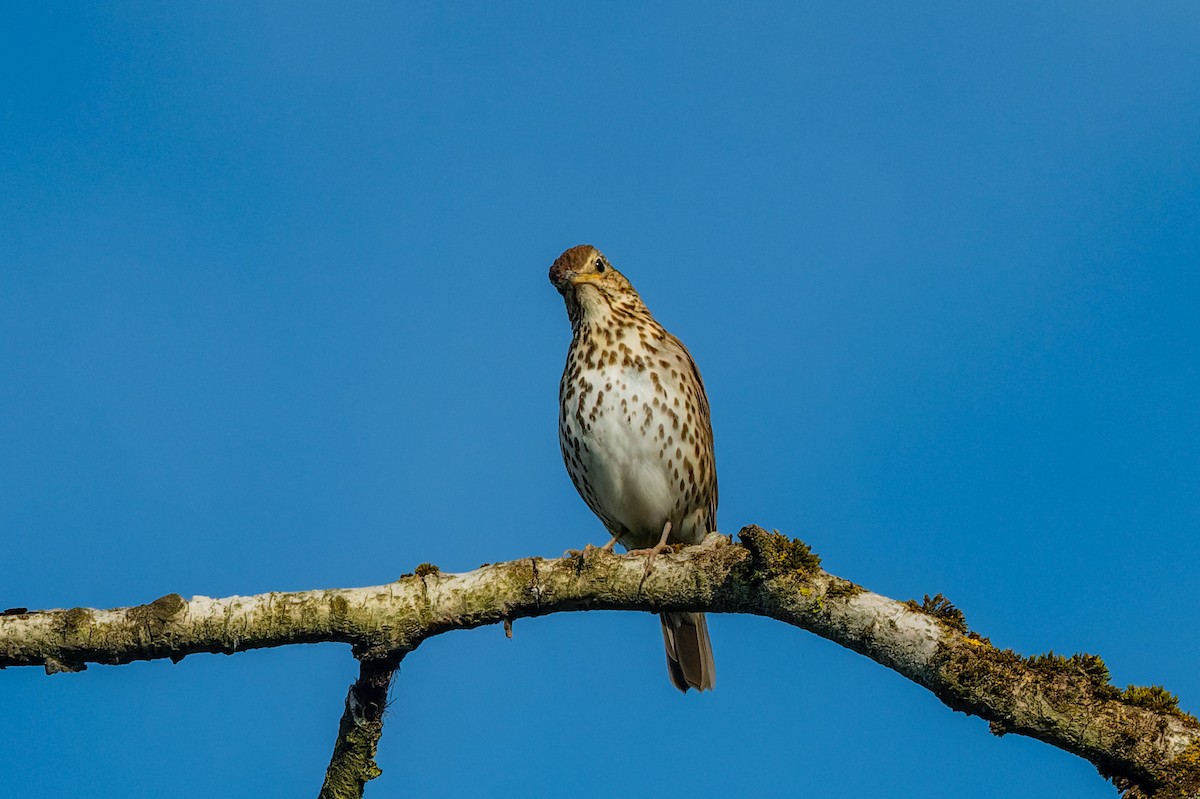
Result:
x=585 y=265
x=589 y=282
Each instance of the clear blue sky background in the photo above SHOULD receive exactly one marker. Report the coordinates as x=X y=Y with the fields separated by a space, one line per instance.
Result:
x=274 y=315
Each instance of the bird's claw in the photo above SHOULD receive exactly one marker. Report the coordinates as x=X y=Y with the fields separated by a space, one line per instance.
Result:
x=651 y=553
x=577 y=553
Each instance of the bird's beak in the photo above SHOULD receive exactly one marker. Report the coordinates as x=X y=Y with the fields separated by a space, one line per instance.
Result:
x=564 y=278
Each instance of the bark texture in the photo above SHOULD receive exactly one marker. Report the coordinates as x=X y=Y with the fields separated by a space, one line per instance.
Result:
x=1138 y=737
x=353 y=761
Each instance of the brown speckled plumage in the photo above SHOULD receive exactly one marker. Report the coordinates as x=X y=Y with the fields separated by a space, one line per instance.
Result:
x=635 y=432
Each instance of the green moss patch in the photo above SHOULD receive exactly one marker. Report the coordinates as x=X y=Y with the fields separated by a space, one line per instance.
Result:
x=1182 y=779
x=423 y=570
x=843 y=589
x=74 y=620
x=776 y=555
x=941 y=609
x=1156 y=698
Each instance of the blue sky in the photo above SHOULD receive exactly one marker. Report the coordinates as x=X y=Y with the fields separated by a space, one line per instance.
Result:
x=274 y=315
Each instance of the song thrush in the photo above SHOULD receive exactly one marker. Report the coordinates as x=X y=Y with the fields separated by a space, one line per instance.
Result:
x=635 y=434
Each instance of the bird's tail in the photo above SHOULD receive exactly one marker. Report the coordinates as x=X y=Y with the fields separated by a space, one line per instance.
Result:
x=689 y=651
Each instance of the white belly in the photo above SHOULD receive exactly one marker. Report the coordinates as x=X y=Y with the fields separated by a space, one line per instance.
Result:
x=626 y=465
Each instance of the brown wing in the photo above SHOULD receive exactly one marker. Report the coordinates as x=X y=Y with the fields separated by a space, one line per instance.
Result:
x=706 y=417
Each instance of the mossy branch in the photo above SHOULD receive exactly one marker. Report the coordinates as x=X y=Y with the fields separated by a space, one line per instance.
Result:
x=1138 y=737
x=353 y=761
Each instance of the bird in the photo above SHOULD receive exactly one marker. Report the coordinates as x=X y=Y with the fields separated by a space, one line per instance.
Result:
x=636 y=436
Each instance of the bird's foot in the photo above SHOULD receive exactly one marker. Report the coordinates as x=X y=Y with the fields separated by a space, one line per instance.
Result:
x=653 y=551
x=575 y=553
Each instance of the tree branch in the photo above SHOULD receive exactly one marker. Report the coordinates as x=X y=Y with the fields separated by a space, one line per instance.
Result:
x=353 y=761
x=1138 y=737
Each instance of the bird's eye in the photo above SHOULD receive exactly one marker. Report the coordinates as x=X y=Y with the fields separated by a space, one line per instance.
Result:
x=600 y=265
